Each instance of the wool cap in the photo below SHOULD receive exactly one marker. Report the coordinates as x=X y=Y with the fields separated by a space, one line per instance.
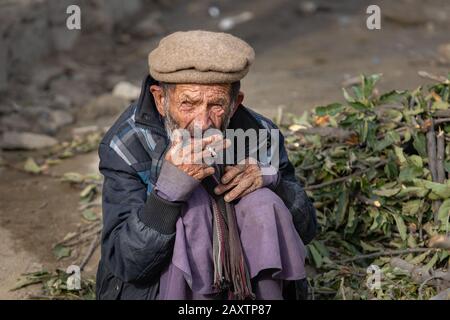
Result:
x=200 y=57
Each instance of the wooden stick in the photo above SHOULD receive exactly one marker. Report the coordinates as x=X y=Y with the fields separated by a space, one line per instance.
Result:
x=443 y=295
x=367 y=201
x=398 y=130
x=94 y=244
x=424 y=283
x=431 y=151
x=441 y=120
x=440 y=156
x=341 y=179
x=335 y=133
x=419 y=273
x=433 y=77
x=442 y=113
x=88 y=228
x=85 y=237
x=386 y=253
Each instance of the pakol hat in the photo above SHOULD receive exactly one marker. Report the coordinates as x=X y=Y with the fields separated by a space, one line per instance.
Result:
x=200 y=57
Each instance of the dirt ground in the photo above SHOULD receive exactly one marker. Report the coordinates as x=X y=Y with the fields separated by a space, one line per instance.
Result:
x=302 y=60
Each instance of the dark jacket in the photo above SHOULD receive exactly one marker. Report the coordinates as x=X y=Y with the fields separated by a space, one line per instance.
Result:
x=138 y=226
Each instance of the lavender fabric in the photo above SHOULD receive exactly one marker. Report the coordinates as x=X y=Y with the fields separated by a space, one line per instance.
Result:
x=270 y=243
x=173 y=184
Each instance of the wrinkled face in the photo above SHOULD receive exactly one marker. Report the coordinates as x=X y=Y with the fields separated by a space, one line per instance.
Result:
x=186 y=106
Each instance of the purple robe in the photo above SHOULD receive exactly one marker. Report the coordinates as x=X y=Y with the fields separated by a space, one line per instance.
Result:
x=271 y=245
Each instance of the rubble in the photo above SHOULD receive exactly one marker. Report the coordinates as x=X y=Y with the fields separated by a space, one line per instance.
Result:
x=126 y=90
x=25 y=141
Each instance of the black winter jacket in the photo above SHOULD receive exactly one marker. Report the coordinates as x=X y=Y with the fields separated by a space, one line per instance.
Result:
x=138 y=226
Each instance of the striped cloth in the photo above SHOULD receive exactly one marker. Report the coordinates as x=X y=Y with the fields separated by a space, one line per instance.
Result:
x=230 y=269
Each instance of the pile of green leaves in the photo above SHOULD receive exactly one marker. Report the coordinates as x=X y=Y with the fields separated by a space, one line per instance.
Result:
x=54 y=286
x=366 y=166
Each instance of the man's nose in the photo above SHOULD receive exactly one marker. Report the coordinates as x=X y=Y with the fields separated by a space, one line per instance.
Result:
x=203 y=120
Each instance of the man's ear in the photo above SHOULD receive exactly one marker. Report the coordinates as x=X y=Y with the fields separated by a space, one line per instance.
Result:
x=158 y=96
x=238 y=102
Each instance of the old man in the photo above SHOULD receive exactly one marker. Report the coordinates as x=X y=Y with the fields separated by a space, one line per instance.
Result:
x=197 y=227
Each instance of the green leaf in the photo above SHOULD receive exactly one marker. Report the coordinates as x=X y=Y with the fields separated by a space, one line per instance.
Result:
x=393 y=115
x=31 y=166
x=321 y=248
x=89 y=215
x=383 y=192
x=420 y=145
x=358 y=106
x=412 y=207
x=412 y=242
x=399 y=153
x=376 y=216
x=391 y=170
x=358 y=93
x=331 y=109
x=369 y=247
x=447 y=166
x=439 y=189
x=419 y=258
x=431 y=263
x=439 y=105
x=416 y=161
x=443 y=255
x=317 y=258
x=31 y=278
x=347 y=96
x=390 y=138
x=369 y=84
x=314 y=139
x=342 y=205
x=443 y=215
x=73 y=177
x=61 y=251
x=400 y=226
x=88 y=190
x=351 y=220
x=392 y=96
x=409 y=173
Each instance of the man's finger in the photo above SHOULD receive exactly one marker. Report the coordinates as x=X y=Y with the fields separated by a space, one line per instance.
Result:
x=252 y=188
x=207 y=171
x=219 y=145
x=221 y=188
x=238 y=190
x=212 y=152
x=248 y=161
x=211 y=139
x=231 y=173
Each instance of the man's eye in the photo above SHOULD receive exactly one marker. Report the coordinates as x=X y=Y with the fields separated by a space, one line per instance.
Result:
x=217 y=107
x=186 y=104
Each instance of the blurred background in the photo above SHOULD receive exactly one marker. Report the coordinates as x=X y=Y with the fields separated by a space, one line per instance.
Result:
x=60 y=89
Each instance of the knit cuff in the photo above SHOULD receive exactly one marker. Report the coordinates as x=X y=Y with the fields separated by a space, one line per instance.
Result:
x=174 y=184
x=159 y=214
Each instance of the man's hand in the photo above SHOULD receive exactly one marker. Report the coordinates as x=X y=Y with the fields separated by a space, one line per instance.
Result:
x=191 y=157
x=241 y=179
